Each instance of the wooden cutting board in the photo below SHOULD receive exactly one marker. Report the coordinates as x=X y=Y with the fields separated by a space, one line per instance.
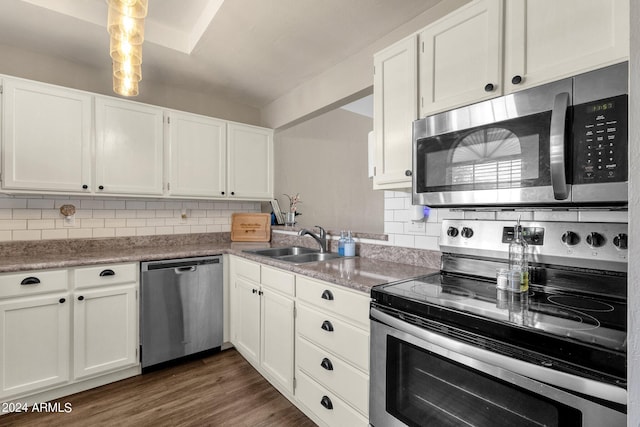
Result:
x=250 y=227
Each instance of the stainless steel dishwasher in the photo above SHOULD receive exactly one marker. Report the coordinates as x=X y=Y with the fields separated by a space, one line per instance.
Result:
x=180 y=308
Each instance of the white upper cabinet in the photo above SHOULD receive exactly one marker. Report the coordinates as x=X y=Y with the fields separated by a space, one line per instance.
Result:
x=197 y=155
x=461 y=57
x=250 y=167
x=129 y=148
x=548 y=39
x=46 y=132
x=395 y=88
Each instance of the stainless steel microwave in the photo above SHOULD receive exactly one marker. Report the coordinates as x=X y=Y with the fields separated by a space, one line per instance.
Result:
x=559 y=144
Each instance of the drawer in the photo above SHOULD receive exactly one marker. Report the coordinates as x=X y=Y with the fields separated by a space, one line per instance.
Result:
x=331 y=372
x=247 y=269
x=337 y=336
x=33 y=282
x=104 y=275
x=334 y=412
x=352 y=305
x=278 y=280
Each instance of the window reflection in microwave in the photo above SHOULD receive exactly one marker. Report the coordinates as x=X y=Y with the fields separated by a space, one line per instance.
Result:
x=488 y=158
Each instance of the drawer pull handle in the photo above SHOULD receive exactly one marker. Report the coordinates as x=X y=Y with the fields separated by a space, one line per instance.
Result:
x=107 y=272
x=327 y=295
x=326 y=402
x=327 y=326
x=30 y=281
x=61 y=300
x=80 y=298
x=326 y=364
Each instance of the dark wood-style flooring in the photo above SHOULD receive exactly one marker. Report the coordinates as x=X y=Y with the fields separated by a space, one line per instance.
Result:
x=218 y=390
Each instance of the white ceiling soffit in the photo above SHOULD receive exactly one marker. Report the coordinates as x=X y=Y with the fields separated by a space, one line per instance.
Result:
x=362 y=106
x=175 y=25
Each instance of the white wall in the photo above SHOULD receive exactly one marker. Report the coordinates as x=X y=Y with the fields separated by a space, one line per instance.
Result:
x=424 y=235
x=39 y=218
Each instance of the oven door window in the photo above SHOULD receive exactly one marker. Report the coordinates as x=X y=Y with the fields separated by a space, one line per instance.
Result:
x=425 y=389
x=510 y=154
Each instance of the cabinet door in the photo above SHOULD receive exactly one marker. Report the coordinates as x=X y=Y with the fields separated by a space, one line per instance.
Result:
x=547 y=39
x=128 y=148
x=34 y=344
x=250 y=166
x=461 y=57
x=197 y=155
x=46 y=137
x=246 y=319
x=105 y=330
x=395 y=89
x=277 y=338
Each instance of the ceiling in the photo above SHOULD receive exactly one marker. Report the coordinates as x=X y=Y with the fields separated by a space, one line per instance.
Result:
x=251 y=51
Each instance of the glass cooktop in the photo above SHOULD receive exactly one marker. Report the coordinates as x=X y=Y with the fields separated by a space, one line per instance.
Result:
x=580 y=330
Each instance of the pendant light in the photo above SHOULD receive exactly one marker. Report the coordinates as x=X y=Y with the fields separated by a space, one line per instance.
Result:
x=125 y=23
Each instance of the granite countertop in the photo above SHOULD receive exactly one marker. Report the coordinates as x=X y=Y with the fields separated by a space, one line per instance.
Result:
x=357 y=273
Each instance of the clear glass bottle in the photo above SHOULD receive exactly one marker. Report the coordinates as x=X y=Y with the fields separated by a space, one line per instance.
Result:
x=341 y=241
x=519 y=257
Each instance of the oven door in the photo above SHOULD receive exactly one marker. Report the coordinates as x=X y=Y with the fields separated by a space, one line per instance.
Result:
x=511 y=150
x=421 y=378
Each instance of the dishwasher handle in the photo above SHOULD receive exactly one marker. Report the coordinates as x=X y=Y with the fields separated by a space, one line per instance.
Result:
x=182 y=270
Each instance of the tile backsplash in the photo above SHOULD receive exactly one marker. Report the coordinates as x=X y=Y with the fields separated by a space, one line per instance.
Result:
x=425 y=234
x=39 y=217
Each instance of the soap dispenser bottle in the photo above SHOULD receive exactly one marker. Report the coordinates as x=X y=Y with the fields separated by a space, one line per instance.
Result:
x=341 y=242
x=349 y=245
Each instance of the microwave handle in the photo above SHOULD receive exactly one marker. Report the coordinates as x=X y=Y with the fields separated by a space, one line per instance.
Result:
x=557 y=141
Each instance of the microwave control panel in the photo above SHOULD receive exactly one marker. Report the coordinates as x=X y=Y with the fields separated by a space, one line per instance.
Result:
x=600 y=141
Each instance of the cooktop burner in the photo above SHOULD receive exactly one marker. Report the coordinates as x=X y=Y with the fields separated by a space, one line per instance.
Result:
x=580 y=303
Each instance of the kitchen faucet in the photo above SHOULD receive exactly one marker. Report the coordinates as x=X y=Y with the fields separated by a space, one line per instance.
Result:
x=321 y=239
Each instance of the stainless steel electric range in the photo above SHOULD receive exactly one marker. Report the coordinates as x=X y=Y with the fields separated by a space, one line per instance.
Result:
x=451 y=349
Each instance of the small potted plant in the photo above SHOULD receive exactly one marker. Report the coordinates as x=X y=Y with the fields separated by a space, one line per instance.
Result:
x=290 y=217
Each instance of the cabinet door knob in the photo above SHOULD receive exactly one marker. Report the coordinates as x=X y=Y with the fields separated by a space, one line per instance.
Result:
x=61 y=300
x=489 y=87
x=326 y=402
x=30 y=281
x=233 y=193
x=85 y=186
x=80 y=298
x=107 y=272
x=408 y=172
x=254 y=291
x=101 y=187
x=516 y=80
x=327 y=326
x=326 y=364
x=327 y=295
x=222 y=193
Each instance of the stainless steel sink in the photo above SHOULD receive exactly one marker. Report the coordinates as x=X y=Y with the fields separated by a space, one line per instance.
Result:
x=294 y=254
x=311 y=257
x=278 y=252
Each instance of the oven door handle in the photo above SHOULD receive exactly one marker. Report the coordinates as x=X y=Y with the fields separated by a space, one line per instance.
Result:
x=538 y=373
x=557 y=144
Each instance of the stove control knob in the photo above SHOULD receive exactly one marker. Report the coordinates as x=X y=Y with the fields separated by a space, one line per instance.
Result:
x=595 y=240
x=452 y=232
x=466 y=232
x=620 y=241
x=570 y=238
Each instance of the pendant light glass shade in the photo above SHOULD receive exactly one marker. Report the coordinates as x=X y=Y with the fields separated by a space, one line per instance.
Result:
x=125 y=87
x=127 y=70
x=123 y=51
x=125 y=27
x=132 y=8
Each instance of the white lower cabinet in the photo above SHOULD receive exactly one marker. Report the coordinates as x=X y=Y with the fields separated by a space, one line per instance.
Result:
x=57 y=331
x=105 y=319
x=262 y=322
x=328 y=378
